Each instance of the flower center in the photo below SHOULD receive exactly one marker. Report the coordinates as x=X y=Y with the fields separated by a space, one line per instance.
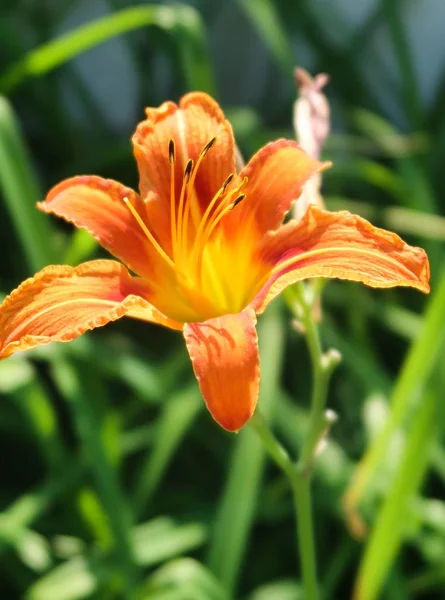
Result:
x=210 y=276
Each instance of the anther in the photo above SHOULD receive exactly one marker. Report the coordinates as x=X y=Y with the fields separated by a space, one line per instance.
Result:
x=227 y=182
x=188 y=170
x=171 y=151
x=208 y=146
x=238 y=200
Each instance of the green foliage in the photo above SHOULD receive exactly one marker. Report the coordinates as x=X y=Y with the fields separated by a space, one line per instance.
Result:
x=115 y=482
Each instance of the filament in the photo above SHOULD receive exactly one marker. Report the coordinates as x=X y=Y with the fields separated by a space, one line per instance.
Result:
x=149 y=235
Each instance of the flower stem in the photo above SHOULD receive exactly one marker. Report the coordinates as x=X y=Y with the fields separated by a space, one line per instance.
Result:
x=320 y=420
x=305 y=532
x=300 y=486
x=323 y=365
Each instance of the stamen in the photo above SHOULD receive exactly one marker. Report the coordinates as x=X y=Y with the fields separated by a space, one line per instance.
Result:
x=238 y=200
x=211 y=204
x=185 y=181
x=183 y=233
x=190 y=265
x=236 y=191
x=207 y=147
x=214 y=223
x=227 y=182
x=171 y=151
x=149 y=235
x=171 y=158
x=188 y=170
x=197 y=244
x=201 y=238
x=208 y=232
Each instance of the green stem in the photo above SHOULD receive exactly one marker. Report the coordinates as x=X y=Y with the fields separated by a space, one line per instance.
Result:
x=322 y=366
x=300 y=486
x=299 y=475
x=305 y=532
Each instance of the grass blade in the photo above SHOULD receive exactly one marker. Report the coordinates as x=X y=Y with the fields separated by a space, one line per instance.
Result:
x=178 y=413
x=402 y=49
x=20 y=515
x=21 y=191
x=162 y=539
x=373 y=173
x=408 y=387
x=153 y=542
x=187 y=577
x=266 y=20
x=390 y=528
x=79 y=392
x=181 y=21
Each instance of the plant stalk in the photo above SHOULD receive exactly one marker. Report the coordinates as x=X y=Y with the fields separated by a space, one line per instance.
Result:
x=320 y=420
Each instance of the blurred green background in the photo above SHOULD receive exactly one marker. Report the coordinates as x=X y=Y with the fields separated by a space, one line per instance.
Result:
x=116 y=483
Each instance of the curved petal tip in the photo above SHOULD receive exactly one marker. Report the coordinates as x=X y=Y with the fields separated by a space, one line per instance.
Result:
x=224 y=354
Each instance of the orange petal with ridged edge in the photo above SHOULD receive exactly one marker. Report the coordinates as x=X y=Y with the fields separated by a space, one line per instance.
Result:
x=276 y=176
x=60 y=303
x=339 y=245
x=97 y=205
x=191 y=125
x=224 y=354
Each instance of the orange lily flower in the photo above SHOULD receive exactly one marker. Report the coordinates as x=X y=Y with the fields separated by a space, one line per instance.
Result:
x=208 y=247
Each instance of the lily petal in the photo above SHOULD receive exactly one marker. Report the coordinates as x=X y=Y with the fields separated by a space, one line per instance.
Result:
x=97 y=205
x=191 y=125
x=60 y=303
x=339 y=245
x=224 y=353
x=276 y=176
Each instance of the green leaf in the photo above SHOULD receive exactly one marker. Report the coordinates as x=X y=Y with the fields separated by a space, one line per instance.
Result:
x=78 y=387
x=34 y=551
x=81 y=247
x=20 y=189
x=162 y=539
x=265 y=18
x=184 y=578
x=285 y=589
x=153 y=542
x=26 y=509
x=419 y=193
x=15 y=374
x=177 y=416
x=406 y=395
x=72 y=580
x=390 y=528
x=393 y=10
x=372 y=172
x=36 y=405
x=182 y=22
x=94 y=515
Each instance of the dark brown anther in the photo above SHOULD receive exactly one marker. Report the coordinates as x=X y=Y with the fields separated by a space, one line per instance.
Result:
x=227 y=182
x=208 y=146
x=188 y=170
x=238 y=200
x=171 y=151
